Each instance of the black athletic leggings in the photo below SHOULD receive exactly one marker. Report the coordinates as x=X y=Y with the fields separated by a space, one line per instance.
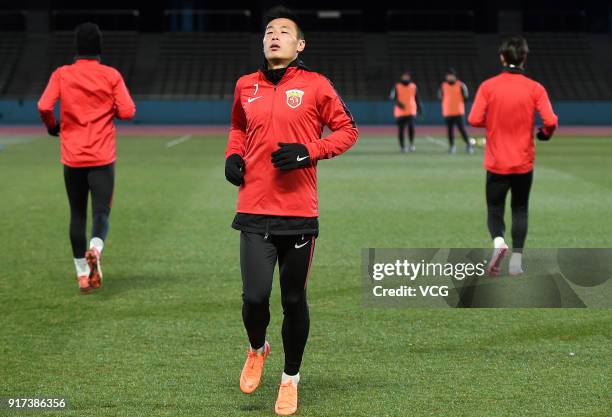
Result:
x=402 y=123
x=497 y=187
x=450 y=122
x=79 y=182
x=258 y=257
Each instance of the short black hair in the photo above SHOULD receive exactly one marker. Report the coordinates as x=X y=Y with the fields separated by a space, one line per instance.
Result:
x=451 y=71
x=514 y=49
x=88 y=39
x=281 y=12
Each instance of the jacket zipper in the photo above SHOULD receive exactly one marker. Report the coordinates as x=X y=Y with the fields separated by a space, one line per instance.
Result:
x=272 y=111
x=274 y=132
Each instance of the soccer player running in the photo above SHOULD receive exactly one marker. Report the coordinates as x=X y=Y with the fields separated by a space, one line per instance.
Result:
x=91 y=95
x=505 y=105
x=274 y=144
x=406 y=106
x=453 y=94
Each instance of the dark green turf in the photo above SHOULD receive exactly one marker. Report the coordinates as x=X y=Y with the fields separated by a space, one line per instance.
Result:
x=164 y=336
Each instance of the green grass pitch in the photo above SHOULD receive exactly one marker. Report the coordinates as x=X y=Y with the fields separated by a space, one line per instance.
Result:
x=164 y=335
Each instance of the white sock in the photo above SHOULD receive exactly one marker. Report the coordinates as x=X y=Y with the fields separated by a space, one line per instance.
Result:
x=81 y=267
x=295 y=378
x=97 y=243
x=260 y=350
x=516 y=263
x=498 y=242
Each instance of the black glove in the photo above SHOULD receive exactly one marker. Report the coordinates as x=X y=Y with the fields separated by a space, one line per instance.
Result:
x=290 y=156
x=542 y=136
x=400 y=105
x=235 y=169
x=54 y=131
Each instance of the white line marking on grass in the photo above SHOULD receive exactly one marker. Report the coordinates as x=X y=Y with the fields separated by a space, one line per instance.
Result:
x=18 y=140
x=436 y=141
x=178 y=141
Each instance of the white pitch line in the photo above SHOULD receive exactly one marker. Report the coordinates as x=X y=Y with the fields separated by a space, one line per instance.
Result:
x=436 y=141
x=18 y=140
x=178 y=141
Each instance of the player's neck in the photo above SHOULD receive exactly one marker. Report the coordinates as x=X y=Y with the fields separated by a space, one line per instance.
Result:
x=520 y=66
x=88 y=57
x=280 y=64
x=514 y=69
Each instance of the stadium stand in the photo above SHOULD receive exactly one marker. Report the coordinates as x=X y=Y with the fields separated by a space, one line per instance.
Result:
x=11 y=45
x=201 y=64
x=341 y=57
x=428 y=54
x=569 y=72
x=361 y=65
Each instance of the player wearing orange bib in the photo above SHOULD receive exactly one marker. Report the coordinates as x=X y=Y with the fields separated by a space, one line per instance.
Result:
x=453 y=94
x=407 y=106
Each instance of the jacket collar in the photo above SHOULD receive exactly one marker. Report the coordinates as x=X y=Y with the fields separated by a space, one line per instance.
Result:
x=513 y=69
x=87 y=58
x=275 y=76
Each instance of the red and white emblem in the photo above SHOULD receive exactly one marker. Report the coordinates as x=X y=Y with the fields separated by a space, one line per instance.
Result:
x=294 y=98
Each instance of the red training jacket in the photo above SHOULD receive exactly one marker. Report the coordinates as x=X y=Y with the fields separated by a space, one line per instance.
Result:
x=91 y=95
x=295 y=110
x=505 y=105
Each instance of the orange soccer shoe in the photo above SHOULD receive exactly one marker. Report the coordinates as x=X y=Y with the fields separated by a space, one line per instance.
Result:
x=92 y=256
x=253 y=369
x=84 y=286
x=287 y=401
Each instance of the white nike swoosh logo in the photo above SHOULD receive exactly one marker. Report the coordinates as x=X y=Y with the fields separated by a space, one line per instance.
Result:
x=301 y=158
x=253 y=98
x=302 y=245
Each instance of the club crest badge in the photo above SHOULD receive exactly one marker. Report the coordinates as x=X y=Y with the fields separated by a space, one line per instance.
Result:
x=294 y=98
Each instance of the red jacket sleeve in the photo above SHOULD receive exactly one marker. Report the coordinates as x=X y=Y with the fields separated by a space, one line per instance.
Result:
x=47 y=101
x=544 y=107
x=124 y=105
x=237 y=134
x=478 y=113
x=335 y=115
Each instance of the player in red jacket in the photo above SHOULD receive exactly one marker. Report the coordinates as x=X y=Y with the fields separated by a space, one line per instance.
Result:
x=274 y=145
x=505 y=105
x=91 y=96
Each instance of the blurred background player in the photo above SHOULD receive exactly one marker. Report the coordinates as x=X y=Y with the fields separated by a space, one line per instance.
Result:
x=273 y=147
x=453 y=94
x=91 y=95
x=406 y=106
x=505 y=105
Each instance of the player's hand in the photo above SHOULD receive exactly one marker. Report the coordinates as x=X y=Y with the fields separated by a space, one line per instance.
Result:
x=235 y=169
x=54 y=131
x=290 y=156
x=400 y=105
x=543 y=135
